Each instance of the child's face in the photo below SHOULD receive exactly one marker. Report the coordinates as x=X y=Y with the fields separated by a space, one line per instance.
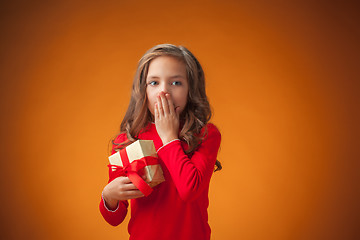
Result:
x=167 y=74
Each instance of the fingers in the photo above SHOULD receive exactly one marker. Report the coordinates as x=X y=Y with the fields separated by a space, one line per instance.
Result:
x=123 y=180
x=171 y=104
x=126 y=184
x=130 y=186
x=134 y=194
x=165 y=105
x=126 y=189
x=160 y=105
x=157 y=112
x=130 y=191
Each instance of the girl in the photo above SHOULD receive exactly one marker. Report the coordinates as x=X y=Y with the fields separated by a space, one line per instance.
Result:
x=169 y=106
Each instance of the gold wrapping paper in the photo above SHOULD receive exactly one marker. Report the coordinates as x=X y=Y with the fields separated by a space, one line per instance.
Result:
x=153 y=174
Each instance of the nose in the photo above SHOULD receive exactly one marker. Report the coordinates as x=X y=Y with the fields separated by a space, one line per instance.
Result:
x=165 y=88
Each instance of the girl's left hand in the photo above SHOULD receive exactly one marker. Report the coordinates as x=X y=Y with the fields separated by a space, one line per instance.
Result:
x=166 y=118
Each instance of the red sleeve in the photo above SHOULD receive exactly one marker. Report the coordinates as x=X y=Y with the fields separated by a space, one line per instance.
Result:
x=192 y=175
x=117 y=216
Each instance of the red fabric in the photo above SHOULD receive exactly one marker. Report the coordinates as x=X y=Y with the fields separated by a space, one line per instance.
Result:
x=177 y=208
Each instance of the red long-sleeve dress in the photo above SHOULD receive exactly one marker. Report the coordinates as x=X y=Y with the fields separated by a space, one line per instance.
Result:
x=177 y=208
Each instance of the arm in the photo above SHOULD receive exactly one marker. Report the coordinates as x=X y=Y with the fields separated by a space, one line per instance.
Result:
x=112 y=210
x=192 y=175
x=113 y=205
x=116 y=216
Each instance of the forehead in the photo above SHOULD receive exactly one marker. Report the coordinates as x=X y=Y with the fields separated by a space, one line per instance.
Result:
x=166 y=65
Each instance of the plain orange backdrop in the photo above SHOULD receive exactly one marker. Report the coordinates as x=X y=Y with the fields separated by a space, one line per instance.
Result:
x=282 y=78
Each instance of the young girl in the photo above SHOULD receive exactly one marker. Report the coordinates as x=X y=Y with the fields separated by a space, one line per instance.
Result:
x=169 y=106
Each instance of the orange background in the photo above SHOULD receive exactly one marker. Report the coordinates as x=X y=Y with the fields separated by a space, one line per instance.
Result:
x=282 y=78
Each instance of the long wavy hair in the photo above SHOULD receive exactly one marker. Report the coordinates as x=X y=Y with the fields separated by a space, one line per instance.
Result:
x=196 y=114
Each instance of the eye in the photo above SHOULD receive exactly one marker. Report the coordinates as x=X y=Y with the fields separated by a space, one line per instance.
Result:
x=177 y=83
x=153 y=83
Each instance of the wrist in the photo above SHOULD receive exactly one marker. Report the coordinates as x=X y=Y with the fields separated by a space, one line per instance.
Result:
x=109 y=202
x=166 y=140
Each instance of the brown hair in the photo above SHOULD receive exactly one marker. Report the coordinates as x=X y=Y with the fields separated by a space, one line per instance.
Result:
x=196 y=114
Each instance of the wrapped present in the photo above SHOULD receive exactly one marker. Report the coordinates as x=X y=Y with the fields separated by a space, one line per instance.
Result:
x=139 y=162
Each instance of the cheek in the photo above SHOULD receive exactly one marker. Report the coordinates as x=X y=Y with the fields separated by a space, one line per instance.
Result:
x=151 y=99
x=184 y=97
x=180 y=99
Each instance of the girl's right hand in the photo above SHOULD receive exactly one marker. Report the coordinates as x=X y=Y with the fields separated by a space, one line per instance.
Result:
x=120 y=189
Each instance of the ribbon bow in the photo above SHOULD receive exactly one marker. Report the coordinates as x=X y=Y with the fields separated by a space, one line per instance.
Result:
x=131 y=170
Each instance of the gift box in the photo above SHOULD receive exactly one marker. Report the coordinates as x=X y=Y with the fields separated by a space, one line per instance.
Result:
x=139 y=162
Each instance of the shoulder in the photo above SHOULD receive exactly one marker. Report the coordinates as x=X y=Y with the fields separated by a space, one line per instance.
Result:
x=121 y=137
x=212 y=130
x=211 y=135
x=210 y=140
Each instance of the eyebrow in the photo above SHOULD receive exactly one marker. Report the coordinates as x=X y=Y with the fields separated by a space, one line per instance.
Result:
x=175 y=76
